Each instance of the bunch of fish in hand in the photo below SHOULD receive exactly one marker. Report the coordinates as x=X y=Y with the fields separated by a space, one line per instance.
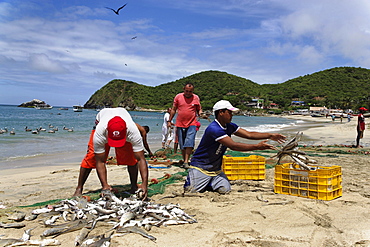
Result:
x=118 y=217
x=291 y=150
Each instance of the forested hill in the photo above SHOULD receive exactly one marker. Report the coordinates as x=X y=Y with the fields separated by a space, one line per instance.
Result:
x=343 y=87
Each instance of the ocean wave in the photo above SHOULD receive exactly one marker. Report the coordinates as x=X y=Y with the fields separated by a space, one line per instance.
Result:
x=14 y=158
x=270 y=127
x=264 y=128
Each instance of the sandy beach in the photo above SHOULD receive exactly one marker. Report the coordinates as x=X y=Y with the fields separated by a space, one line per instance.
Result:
x=235 y=219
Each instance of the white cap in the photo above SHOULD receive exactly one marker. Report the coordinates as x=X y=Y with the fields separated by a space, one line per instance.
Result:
x=224 y=104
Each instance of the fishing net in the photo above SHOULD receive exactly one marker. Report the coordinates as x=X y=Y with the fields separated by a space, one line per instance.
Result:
x=122 y=190
x=160 y=187
x=42 y=204
x=168 y=153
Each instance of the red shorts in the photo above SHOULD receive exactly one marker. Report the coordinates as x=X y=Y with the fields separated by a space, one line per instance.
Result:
x=124 y=155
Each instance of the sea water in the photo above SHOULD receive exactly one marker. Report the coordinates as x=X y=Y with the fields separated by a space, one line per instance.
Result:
x=24 y=144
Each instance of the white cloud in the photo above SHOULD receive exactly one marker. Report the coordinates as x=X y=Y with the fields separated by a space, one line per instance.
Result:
x=42 y=62
x=104 y=75
x=5 y=9
x=333 y=27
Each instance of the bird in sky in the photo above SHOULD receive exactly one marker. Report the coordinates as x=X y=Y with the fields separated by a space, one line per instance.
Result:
x=134 y=37
x=117 y=11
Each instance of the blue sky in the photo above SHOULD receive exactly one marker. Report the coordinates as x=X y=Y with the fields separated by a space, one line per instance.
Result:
x=63 y=51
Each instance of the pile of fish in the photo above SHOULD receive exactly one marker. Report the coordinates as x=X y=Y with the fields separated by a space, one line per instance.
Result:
x=290 y=149
x=129 y=215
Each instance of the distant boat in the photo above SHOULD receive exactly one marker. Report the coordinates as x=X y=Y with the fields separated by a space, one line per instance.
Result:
x=337 y=113
x=317 y=115
x=63 y=108
x=77 y=108
x=43 y=107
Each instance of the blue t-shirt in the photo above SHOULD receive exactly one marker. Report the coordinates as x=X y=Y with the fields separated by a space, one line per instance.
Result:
x=208 y=155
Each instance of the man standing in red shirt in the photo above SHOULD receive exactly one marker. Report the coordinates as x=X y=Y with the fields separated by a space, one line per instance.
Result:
x=360 y=125
x=188 y=108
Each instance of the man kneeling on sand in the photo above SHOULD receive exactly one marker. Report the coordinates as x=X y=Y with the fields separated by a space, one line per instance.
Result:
x=205 y=168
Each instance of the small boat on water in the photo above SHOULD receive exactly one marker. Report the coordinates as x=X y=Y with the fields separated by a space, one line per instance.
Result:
x=317 y=114
x=43 y=107
x=63 y=108
x=77 y=108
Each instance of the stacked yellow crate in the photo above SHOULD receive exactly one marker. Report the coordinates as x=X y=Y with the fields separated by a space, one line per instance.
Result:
x=247 y=168
x=323 y=183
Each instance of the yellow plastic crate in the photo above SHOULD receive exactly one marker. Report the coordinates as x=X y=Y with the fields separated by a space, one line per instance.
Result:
x=246 y=168
x=323 y=183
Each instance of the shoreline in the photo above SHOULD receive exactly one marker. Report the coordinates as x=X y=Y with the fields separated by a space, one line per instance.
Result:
x=316 y=131
x=239 y=218
x=331 y=133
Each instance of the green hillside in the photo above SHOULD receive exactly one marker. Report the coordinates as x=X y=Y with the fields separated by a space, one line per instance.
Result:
x=344 y=87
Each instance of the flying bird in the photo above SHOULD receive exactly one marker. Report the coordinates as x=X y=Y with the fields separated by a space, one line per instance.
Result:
x=117 y=11
x=134 y=37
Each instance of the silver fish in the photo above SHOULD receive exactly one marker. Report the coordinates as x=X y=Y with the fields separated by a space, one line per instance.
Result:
x=291 y=149
x=134 y=229
x=12 y=225
x=9 y=241
x=51 y=220
x=148 y=227
x=181 y=213
x=17 y=216
x=102 y=242
x=163 y=212
x=43 y=242
x=30 y=217
x=82 y=236
x=174 y=222
x=104 y=211
x=56 y=231
x=53 y=231
x=41 y=210
x=103 y=217
x=91 y=240
x=125 y=218
x=27 y=234
x=65 y=215
x=156 y=216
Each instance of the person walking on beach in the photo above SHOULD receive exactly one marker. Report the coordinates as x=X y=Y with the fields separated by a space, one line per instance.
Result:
x=115 y=128
x=167 y=132
x=188 y=108
x=360 y=125
x=206 y=164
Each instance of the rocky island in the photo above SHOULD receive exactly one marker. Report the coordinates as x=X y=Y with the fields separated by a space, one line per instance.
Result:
x=35 y=103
